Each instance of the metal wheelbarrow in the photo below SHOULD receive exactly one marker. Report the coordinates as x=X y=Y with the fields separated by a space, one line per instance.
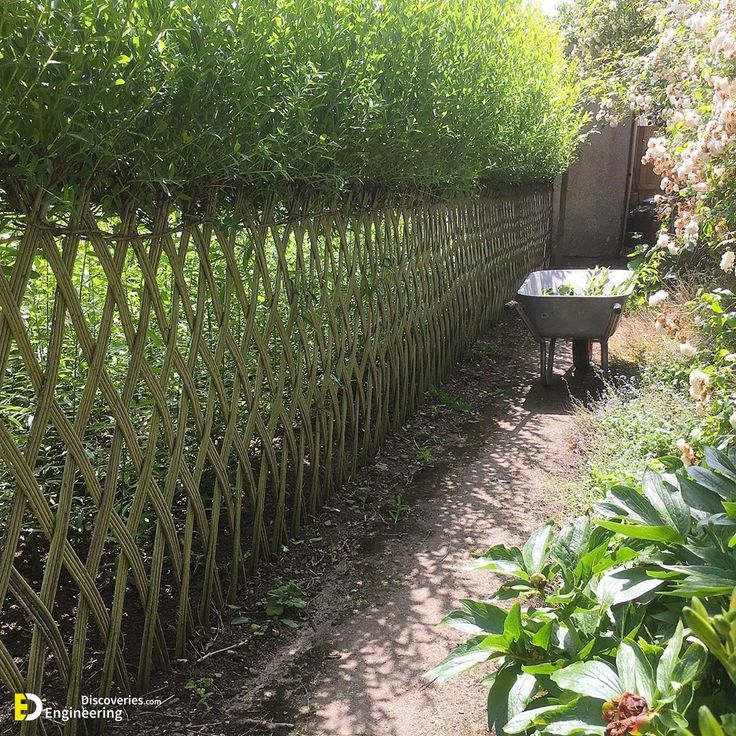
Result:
x=583 y=319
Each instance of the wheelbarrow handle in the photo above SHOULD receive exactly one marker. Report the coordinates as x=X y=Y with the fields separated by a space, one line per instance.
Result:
x=612 y=321
x=510 y=306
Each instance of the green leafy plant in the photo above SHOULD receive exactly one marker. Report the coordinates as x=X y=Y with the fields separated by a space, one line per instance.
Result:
x=481 y=350
x=446 y=399
x=597 y=284
x=202 y=688
x=399 y=509
x=175 y=92
x=598 y=640
x=287 y=597
x=425 y=455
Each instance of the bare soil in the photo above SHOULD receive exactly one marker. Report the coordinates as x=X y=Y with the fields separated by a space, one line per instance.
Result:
x=483 y=462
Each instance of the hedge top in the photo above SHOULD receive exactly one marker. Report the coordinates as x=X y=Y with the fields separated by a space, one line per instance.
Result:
x=326 y=93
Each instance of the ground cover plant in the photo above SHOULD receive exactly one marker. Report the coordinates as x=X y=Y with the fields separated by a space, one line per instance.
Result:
x=622 y=623
x=643 y=413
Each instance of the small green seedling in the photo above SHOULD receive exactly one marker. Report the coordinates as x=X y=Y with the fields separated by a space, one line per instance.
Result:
x=201 y=687
x=287 y=597
x=447 y=399
x=425 y=455
x=399 y=509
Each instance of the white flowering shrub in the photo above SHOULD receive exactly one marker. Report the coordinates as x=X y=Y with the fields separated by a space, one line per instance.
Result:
x=674 y=65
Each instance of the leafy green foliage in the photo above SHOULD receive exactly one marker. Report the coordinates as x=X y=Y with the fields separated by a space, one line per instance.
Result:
x=597 y=284
x=286 y=597
x=128 y=93
x=609 y=40
x=398 y=509
x=445 y=398
x=636 y=421
x=598 y=640
x=202 y=688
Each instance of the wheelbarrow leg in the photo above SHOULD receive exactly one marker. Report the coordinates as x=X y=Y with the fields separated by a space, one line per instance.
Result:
x=604 y=357
x=610 y=329
x=550 y=362
x=543 y=362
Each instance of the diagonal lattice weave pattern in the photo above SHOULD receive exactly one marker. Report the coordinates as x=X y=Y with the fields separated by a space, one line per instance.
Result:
x=178 y=392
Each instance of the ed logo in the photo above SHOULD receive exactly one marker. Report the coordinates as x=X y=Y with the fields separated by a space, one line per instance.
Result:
x=23 y=703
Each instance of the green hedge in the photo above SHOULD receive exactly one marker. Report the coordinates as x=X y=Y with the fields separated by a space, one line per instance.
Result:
x=328 y=93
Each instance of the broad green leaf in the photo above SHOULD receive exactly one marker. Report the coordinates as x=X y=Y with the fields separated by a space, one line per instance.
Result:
x=628 y=503
x=523 y=721
x=547 y=668
x=703 y=580
x=477 y=618
x=502 y=559
x=535 y=550
x=699 y=497
x=543 y=636
x=720 y=462
x=512 y=625
x=667 y=661
x=643 y=531
x=668 y=502
x=628 y=584
x=571 y=542
x=708 y=724
x=593 y=679
x=508 y=696
x=580 y=716
x=690 y=665
x=715 y=482
x=463 y=658
x=635 y=671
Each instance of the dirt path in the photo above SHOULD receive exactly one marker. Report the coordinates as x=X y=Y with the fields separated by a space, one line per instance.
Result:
x=358 y=671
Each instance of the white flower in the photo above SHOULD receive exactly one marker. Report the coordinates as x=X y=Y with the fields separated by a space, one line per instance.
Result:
x=699 y=22
x=687 y=456
x=692 y=119
x=699 y=381
x=732 y=420
x=730 y=358
x=722 y=43
x=691 y=231
x=728 y=260
x=658 y=297
x=687 y=349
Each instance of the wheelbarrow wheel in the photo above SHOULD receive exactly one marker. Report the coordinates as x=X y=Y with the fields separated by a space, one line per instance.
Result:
x=582 y=354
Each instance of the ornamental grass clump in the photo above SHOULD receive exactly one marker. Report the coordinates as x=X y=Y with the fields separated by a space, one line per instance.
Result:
x=398 y=93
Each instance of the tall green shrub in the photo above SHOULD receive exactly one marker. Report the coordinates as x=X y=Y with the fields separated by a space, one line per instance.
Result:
x=325 y=93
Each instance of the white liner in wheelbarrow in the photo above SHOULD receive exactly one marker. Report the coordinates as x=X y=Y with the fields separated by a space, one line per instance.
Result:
x=584 y=319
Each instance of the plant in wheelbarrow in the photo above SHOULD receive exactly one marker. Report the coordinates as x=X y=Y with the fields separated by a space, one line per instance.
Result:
x=598 y=639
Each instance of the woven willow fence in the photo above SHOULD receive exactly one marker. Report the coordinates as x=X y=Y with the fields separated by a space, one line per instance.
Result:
x=179 y=393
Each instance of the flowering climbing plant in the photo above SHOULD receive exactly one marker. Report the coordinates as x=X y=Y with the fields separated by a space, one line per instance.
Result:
x=678 y=72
